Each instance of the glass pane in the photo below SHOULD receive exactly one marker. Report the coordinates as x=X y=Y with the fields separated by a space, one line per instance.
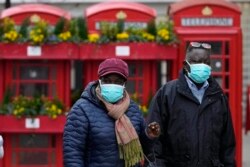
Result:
x=53 y=157
x=132 y=70
x=219 y=80
x=53 y=73
x=33 y=158
x=31 y=89
x=140 y=69
x=227 y=50
x=227 y=82
x=14 y=158
x=34 y=73
x=227 y=66
x=140 y=87
x=54 y=90
x=216 y=47
x=34 y=141
x=14 y=72
x=130 y=86
x=216 y=65
x=14 y=142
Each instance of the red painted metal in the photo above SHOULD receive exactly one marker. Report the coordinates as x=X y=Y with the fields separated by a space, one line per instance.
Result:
x=107 y=11
x=15 y=148
x=138 y=51
x=63 y=51
x=1 y=80
x=11 y=124
x=59 y=152
x=231 y=77
x=108 y=6
x=185 y=4
x=67 y=86
x=46 y=12
x=193 y=8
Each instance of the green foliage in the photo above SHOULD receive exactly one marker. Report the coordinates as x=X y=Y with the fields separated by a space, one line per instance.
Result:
x=120 y=25
x=36 y=31
x=24 y=29
x=73 y=27
x=59 y=27
x=23 y=106
x=151 y=27
x=6 y=101
x=108 y=31
x=82 y=29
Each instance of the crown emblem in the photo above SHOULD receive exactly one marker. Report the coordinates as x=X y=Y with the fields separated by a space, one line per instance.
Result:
x=121 y=15
x=35 y=18
x=207 y=11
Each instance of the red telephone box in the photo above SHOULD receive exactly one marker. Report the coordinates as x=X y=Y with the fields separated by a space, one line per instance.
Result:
x=216 y=22
x=144 y=59
x=46 y=72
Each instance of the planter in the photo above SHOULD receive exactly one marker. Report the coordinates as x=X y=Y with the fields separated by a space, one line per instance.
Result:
x=40 y=124
x=47 y=51
x=134 y=51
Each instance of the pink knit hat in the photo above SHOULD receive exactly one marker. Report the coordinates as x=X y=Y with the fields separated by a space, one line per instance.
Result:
x=113 y=65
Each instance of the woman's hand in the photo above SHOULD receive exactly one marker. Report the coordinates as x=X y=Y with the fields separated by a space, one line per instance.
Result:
x=153 y=130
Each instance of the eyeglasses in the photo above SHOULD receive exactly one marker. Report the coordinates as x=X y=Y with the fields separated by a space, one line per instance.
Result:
x=198 y=45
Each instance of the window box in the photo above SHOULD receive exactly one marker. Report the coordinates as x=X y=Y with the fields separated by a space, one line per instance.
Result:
x=39 y=124
x=62 y=50
x=134 y=51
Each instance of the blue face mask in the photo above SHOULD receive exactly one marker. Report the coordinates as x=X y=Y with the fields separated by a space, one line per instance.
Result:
x=199 y=73
x=111 y=92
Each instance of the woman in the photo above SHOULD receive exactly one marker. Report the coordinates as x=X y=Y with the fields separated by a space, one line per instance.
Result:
x=105 y=127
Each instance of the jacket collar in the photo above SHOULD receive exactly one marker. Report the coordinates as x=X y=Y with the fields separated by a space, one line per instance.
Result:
x=183 y=87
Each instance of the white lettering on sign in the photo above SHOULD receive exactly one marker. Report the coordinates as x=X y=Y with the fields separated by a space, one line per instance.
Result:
x=126 y=25
x=34 y=51
x=216 y=21
x=32 y=123
x=122 y=50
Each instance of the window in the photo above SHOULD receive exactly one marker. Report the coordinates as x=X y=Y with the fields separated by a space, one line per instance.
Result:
x=34 y=78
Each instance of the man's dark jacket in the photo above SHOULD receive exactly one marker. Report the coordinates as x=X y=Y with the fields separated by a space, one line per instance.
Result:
x=193 y=134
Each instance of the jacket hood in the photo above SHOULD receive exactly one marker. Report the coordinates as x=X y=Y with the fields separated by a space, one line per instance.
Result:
x=89 y=93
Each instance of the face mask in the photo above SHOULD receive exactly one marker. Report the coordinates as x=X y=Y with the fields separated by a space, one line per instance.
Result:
x=199 y=73
x=111 y=92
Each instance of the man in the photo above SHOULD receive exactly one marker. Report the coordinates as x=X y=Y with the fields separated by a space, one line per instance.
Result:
x=194 y=116
x=1 y=147
x=105 y=127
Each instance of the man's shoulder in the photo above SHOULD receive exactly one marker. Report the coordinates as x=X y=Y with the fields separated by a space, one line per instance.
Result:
x=168 y=87
x=170 y=84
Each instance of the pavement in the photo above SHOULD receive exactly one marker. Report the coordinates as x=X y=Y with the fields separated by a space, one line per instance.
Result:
x=246 y=149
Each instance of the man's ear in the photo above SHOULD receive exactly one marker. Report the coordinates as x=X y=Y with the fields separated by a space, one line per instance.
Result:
x=186 y=66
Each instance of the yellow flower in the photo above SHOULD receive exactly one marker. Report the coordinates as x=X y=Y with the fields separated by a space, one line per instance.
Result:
x=93 y=38
x=53 y=107
x=38 y=33
x=11 y=36
x=144 y=109
x=54 y=116
x=59 y=111
x=164 y=34
x=65 y=36
x=122 y=36
x=148 y=37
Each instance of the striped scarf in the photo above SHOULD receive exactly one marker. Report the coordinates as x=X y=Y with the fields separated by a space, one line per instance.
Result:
x=128 y=142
